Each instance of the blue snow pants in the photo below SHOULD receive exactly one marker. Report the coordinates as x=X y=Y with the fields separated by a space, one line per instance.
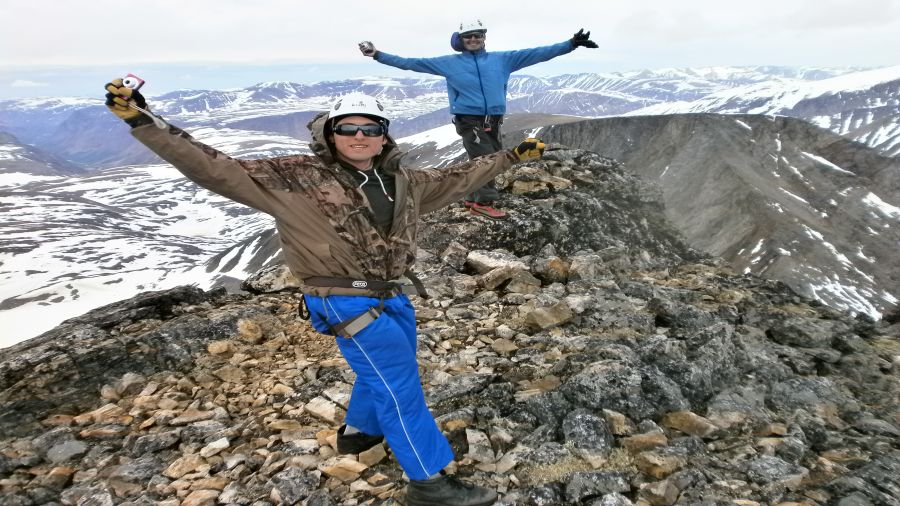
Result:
x=387 y=397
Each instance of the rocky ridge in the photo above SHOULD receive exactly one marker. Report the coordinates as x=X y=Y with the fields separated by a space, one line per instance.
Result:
x=569 y=361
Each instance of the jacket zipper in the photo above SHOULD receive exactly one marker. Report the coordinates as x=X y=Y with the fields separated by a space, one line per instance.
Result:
x=480 y=83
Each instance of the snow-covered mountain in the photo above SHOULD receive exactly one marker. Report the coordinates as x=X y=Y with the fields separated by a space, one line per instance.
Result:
x=80 y=130
x=614 y=94
x=70 y=242
x=864 y=106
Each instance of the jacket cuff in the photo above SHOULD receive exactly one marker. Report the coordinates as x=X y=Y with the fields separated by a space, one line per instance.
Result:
x=139 y=120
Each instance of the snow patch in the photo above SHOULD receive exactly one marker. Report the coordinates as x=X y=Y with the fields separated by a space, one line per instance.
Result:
x=825 y=162
x=886 y=209
x=442 y=137
x=15 y=179
x=795 y=196
x=854 y=299
x=758 y=247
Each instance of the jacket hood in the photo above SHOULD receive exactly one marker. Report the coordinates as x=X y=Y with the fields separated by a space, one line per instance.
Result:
x=388 y=160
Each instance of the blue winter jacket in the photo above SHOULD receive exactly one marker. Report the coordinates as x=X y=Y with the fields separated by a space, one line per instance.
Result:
x=476 y=82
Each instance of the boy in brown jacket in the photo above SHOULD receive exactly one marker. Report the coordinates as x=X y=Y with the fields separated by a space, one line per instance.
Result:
x=347 y=218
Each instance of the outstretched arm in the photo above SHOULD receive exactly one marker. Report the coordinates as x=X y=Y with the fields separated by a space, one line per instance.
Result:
x=426 y=65
x=200 y=163
x=527 y=57
x=440 y=187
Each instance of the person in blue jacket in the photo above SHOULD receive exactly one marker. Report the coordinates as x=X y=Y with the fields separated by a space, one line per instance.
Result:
x=476 y=87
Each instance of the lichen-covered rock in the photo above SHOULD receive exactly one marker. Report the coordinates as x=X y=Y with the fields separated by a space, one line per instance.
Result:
x=293 y=485
x=271 y=279
x=584 y=484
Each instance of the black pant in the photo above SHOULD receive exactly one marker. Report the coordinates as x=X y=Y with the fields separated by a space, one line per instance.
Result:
x=480 y=136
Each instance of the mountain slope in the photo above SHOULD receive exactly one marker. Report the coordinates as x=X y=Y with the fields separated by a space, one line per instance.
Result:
x=774 y=196
x=68 y=245
x=16 y=157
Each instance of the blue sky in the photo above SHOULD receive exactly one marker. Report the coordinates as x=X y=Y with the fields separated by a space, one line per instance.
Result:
x=73 y=47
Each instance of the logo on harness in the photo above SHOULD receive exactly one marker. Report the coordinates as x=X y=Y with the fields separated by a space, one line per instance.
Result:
x=359 y=284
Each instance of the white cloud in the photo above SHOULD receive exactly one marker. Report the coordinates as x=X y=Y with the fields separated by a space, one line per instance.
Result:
x=324 y=32
x=840 y=15
x=25 y=83
x=246 y=42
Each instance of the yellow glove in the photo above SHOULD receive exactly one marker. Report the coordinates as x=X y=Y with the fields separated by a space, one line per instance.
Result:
x=529 y=148
x=118 y=98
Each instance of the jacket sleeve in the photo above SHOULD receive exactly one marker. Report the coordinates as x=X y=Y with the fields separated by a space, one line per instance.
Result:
x=526 y=57
x=440 y=187
x=427 y=65
x=212 y=169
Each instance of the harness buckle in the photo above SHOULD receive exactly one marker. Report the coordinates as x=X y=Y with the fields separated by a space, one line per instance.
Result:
x=349 y=328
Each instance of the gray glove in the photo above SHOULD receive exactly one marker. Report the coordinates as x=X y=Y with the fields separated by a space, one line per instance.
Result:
x=367 y=49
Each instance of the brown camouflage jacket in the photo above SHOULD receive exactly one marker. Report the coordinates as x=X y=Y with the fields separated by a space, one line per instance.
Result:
x=323 y=220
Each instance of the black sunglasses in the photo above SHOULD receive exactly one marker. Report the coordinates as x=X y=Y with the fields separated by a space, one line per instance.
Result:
x=367 y=130
x=473 y=35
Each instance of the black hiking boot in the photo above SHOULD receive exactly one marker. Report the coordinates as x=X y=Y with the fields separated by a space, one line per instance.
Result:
x=448 y=491
x=357 y=442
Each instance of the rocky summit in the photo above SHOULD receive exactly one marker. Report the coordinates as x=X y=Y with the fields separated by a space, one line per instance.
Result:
x=577 y=353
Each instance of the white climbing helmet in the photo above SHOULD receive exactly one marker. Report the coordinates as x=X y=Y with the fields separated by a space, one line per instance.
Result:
x=358 y=104
x=472 y=26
